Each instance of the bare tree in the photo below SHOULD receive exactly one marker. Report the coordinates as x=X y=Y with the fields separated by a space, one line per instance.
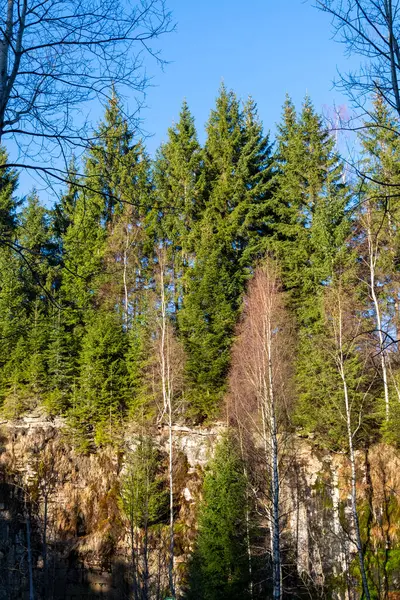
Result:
x=373 y=232
x=260 y=389
x=370 y=29
x=170 y=359
x=56 y=56
x=344 y=325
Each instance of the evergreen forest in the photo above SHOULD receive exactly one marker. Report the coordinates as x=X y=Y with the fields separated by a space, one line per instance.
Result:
x=200 y=359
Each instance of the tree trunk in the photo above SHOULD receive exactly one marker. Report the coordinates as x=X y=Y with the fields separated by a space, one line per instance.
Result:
x=372 y=265
x=356 y=522
x=45 y=563
x=5 y=44
x=248 y=540
x=167 y=400
x=276 y=552
x=30 y=562
x=133 y=559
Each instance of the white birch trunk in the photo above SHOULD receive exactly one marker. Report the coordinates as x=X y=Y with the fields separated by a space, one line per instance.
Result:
x=167 y=400
x=275 y=488
x=347 y=404
x=372 y=251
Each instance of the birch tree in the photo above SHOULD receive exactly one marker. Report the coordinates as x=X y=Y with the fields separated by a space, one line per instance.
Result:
x=170 y=362
x=260 y=382
x=345 y=325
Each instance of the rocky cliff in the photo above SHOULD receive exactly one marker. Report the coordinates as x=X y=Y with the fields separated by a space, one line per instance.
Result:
x=61 y=523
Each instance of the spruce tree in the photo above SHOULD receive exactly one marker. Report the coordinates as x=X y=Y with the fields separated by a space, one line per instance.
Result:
x=179 y=182
x=219 y=568
x=99 y=403
x=236 y=211
x=111 y=175
x=310 y=200
x=62 y=364
x=26 y=369
x=11 y=287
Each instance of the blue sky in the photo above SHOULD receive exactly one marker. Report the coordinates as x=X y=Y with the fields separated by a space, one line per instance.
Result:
x=263 y=47
x=260 y=47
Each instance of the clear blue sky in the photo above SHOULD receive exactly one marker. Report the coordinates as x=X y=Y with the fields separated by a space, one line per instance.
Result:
x=260 y=47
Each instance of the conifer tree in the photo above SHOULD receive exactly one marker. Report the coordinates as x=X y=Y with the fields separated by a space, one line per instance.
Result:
x=236 y=162
x=27 y=369
x=11 y=289
x=62 y=364
x=111 y=168
x=310 y=200
x=100 y=401
x=129 y=252
x=63 y=210
x=179 y=182
x=219 y=567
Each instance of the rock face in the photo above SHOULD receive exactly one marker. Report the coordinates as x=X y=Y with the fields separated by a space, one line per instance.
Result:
x=66 y=506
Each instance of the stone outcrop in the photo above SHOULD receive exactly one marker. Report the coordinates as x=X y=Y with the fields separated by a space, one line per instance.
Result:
x=87 y=542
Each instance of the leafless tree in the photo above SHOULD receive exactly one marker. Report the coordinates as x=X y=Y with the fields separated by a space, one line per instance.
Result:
x=260 y=384
x=56 y=57
x=344 y=325
x=170 y=361
x=370 y=29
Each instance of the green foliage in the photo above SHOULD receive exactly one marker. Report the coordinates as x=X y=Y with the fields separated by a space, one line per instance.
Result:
x=101 y=397
x=219 y=567
x=179 y=183
x=236 y=211
x=143 y=496
x=310 y=200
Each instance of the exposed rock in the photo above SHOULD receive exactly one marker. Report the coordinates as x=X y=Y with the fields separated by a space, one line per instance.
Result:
x=88 y=535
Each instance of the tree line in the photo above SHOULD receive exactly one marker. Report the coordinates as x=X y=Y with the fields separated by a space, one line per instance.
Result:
x=247 y=277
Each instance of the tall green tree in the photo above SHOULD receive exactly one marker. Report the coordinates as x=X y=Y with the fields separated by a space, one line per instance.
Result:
x=100 y=401
x=310 y=198
x=27 y=369
x=236 y=210
x=179 y=183
x=219 y=567
x=112 y=185
x=11 y=287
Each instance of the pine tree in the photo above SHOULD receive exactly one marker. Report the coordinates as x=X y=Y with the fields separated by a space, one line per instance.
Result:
x=219 y=567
